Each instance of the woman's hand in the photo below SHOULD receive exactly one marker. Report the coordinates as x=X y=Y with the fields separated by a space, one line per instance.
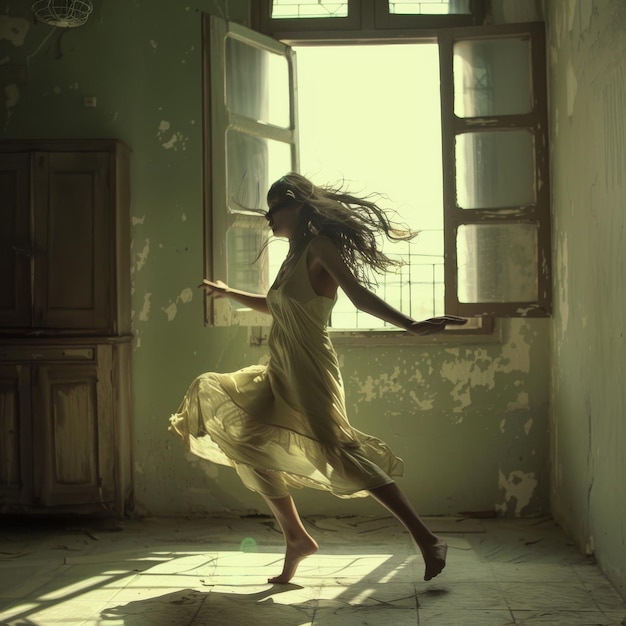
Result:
x=435 y=324
x=217 y=289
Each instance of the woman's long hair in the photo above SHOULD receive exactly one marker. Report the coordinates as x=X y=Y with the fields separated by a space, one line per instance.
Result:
x=354 y=224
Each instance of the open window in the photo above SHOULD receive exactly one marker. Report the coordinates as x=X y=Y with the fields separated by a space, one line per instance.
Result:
x=249 y=141
x=495 y=206
x=495 y=167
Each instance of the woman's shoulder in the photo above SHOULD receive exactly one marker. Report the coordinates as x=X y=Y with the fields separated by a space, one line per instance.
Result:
x=324 y=250
x=323 y=243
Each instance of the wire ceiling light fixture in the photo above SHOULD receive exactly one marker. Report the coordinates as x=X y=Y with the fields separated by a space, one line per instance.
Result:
x=62 y=13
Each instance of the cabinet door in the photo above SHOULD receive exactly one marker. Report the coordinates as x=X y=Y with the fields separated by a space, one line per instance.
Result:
x=73 y=436
x=15 y=449
x=15 y=240
x=73 y=206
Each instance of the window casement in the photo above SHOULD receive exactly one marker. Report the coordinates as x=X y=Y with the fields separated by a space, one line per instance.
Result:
x=360 y=19
x=250 y=140
x=495 y=161
x=495 y=171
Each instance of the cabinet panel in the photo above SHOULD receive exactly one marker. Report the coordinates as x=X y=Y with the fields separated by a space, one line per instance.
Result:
x=73 y=221
x=72 y=436
x=15 y=457
x=15 y=240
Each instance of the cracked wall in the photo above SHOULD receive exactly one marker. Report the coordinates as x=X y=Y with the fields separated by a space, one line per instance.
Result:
x=587 y=75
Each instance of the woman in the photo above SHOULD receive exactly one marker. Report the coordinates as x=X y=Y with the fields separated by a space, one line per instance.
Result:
x=285 y=424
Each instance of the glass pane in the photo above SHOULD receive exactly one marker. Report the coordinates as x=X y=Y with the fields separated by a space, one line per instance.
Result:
x=429 y=7
x=497 y=263
x=492 y=77
x=495 y=169
x=245 y=269
x=256 y=83
x=284 y=9
x=253 y=164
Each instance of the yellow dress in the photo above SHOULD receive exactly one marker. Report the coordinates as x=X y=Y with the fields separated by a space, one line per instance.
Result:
x=284 y=424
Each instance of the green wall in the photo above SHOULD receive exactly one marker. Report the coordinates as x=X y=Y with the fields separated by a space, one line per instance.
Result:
x=587 y=73
x=470 y=420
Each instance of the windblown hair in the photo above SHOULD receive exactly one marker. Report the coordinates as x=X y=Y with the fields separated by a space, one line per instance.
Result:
x=354 y=224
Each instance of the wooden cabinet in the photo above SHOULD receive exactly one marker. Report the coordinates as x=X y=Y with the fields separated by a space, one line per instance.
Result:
x=63 y=238
x=60 y=418
x=65 y=393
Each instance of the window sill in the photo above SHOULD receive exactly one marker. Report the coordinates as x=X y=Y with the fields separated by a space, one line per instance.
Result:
x=487 y=332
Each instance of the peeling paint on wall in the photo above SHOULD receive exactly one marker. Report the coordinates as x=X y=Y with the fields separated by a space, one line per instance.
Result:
x=476 y=368
x=425 y=403
x=170 y=311
x=176 y=140
x=519 y=487
x=185 y=296
x=521 y=402
x=374 y=388
x=572 y=87
x=562 y=264
x=144 y=315
x=13 y=29
x=142 y=257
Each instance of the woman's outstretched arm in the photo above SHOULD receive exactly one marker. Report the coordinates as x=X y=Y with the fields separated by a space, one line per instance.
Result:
x=218 y=289
x=328 y=256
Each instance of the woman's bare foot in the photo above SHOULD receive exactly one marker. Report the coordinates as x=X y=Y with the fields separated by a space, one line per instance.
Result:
x=434 y=558
x=296 y=551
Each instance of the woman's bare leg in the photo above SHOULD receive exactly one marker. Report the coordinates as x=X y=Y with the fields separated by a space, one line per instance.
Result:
x=299 y=544
x=432 y=547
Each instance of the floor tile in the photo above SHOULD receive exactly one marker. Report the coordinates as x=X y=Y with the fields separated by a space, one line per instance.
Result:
x=195 y=572
x=606 y=597
x=566 y=618
x=535 y=573
x=366 y=616
x=453 y=595
x=364 y=594
x=465 y=617
x=548 y=596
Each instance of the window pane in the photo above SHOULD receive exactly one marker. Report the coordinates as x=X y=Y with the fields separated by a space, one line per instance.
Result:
x=497 y=263
x=495 y=169
x=253 y=163
x=250 y=72
x=284 y=9
x=492 y=77
x=429 y=7
x=245 y=270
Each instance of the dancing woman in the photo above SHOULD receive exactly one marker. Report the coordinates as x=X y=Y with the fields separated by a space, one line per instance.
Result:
x=284 y=424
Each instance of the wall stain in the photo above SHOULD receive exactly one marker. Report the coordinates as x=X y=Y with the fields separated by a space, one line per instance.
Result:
x=13 y=29
x=144 y=315
x=614 y=121
x=476 y=369
x=518 y=489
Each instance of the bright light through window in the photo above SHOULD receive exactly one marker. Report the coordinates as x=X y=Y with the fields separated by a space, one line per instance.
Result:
x=283 y=9
x=369 y=115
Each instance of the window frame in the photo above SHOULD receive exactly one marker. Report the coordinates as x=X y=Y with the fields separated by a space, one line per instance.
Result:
x=218 y=120
x=367 y=19
x=452 y=126
x=536 y=122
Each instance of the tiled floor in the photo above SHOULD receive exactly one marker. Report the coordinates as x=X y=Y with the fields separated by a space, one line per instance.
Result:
x=211 y=572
